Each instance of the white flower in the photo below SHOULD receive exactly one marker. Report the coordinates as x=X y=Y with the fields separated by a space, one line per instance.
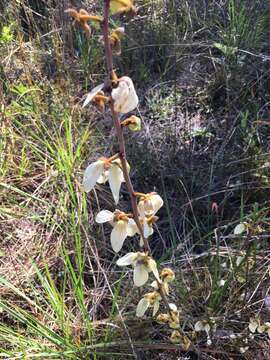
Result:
x=102 y=170
x=149 y=204
x=151 y=299
x=142 y=263
x=124 y=96
x=202 y=326
x=123 y=227
x=255 y=325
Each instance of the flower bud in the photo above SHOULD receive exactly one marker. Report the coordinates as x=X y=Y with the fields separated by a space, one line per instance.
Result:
x=176 y=337
x=163 y=318
x=135 y=123
x=167 y=275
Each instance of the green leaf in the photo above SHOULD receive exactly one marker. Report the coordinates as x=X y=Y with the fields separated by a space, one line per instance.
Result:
x=227 y=50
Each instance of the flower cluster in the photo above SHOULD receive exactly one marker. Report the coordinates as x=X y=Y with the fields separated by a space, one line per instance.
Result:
x=119 y=95
x=256 y=326
x=104 y=170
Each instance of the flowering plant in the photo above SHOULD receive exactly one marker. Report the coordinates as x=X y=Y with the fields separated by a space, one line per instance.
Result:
x=119 y=94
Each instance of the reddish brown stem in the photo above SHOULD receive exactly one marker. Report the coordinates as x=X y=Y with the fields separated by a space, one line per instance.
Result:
x=118 y=127
x=120 y=137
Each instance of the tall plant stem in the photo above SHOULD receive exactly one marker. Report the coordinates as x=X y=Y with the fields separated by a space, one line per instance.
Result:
x=121 y=142
x=118 y=127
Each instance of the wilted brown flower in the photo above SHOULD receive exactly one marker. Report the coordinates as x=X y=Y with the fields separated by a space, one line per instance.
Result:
x=81 y=19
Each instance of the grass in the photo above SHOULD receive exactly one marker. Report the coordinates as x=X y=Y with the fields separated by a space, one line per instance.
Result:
x=204 y=89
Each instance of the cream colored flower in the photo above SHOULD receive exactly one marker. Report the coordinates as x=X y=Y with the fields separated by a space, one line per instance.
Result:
x=133 y=122
x=123 y=226
x=149 y=204
x=143 y=265
x=202 y=326
x=124 y=96
x=174 y=321
x=102 y=170
x=178 y=338
x=253 y=324
x=151 y=299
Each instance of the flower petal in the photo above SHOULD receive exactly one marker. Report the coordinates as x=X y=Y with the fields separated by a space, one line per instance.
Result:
x=140 y=275
x=154 y=284
x=104 y=216
x=115 y=180
x=261 y=329
x=132 y=227
x=147 y=230
x=253 y=325
x=127 y=259
x=152 y=266
x=141 y=209
x=92 y=94
x=91 y=175
x=120 y=95
x=118 y=235
x=141 y=242
x=103 y=177
x=199 y=326
x=157 y=203
x=173 y=307
x=142 y=306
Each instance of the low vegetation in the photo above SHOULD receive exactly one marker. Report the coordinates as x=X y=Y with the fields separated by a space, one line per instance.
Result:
x=201 y=71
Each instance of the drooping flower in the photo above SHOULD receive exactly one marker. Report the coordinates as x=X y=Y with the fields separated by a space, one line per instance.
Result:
x=151 y=299
x=163 y=318
x=102 y=170
x=121 y=6
x=115 y=39
x=143 y=265
x=133 y=122
x=149 y=204
x=124 y=96
x=178 y=338
x=167 y=275
x=81 y=19
x=202 y=325
x=100 y=100
x=174 y=321
x=123 y=226
x=255 y=325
